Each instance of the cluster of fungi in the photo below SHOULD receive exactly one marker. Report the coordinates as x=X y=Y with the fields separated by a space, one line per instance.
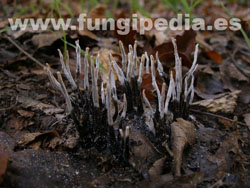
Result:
x=109 y=114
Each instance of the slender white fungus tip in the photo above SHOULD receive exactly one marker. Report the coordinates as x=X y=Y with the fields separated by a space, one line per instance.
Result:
x=127 y=131
x=129 y=66
x=119 y=73
x=178 y=70
x=86 y=69
x=159 y=65
x=171 y=90
x=94 y=84
x=139 y=80
x=124 y=61
x=147 y=101
x=194 y=64
x=67 y=62
x=52 y=79
x=185 y=88
x=135 y=55
x=109 y=105
x=97 y=64
x=78 y=58
x=112 y=83
x=111 y=58
x=121 y=133
x=124 y=110
x=191 y=94
x=102 y=93
x=155 y=86
x=152 y=66
x=130 y=49
x=66 y=71
x=65 y=93
x=163 y=94
x=191 y=90
x=147 y=63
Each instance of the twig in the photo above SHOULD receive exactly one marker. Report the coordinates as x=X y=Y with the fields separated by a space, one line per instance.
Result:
x=216 y=115
x=23 y=51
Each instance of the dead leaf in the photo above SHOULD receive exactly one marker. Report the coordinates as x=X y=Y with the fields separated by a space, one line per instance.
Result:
x=142 y=153
x=35 y=139
x=247 y=119
x=147 y=85
x=227 y=124
x=183 y=134
x=16 y=123
x=46 y=108
x=98 y=12
x=225 y=103
x=46 y=39
x=87 y=33
x=157 y=168
x=221 y=157
x=3 y=163
x=185 y=44
x=214 y=55
x=54 y=142
x=230 y=73
x=25 y=113
x=168 y=181
x=208 y=84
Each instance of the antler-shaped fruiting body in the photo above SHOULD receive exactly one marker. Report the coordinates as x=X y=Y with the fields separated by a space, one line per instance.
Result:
x=101 y=113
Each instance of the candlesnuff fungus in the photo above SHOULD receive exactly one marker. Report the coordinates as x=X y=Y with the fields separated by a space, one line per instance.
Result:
x=108 y=119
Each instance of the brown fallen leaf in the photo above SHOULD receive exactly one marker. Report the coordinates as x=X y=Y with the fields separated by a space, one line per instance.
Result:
x=25 y=113
x=142 y=153
x=87 y=33
x=3 y=163
x=157 y=168
x=168 y=181
x=224 y=103
x=185 y=44
x=46 y=39
x=247 y=119
x=222 y=156
x=35 y=140
x=183 y=134
x=37 y=105
x=214 y=55
x=147 y=85
x=128 y=38
x=230 y=73
x=98 y=12
x=16 y=123
x=208 y=84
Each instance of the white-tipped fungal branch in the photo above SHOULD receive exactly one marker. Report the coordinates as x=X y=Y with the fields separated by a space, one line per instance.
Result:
x=129 y=66
x=109 y=105
x=52 y=79
x=147 y=102
x=102 y=94
x=124 y=60
x=119 y=73
x=65 y=93
x=95 y=97
x=124 y=110
x=178 y=71
x=147 y=63
x=86 y=70
x=159 y=66
x=66 y=70
x=170 y=93
x=162 y=100
x=78 y=59
x=139 y=80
